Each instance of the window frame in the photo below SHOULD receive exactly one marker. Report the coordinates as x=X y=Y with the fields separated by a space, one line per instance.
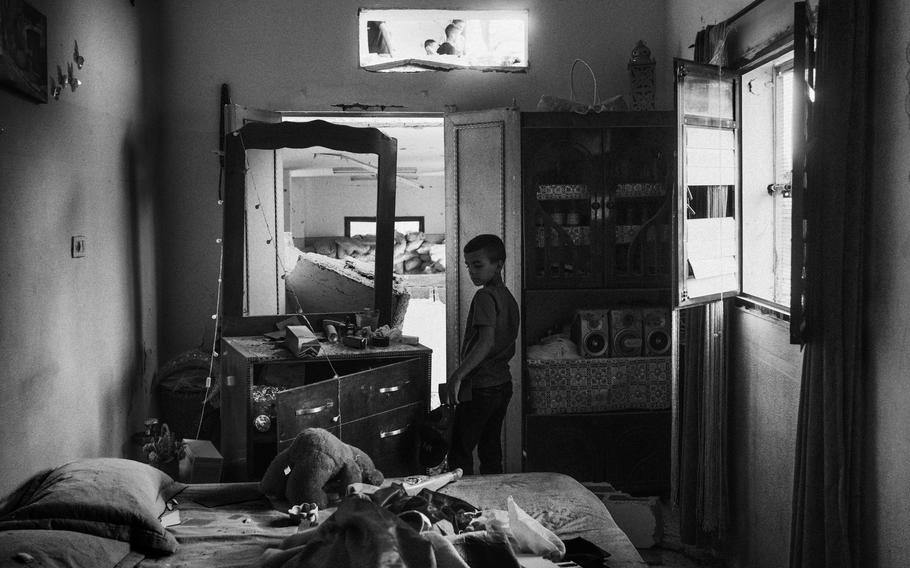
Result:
x=696 y=113
x=778 y=50
x=367 y=219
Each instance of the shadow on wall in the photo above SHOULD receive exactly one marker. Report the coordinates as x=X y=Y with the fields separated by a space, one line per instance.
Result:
x=137 y=384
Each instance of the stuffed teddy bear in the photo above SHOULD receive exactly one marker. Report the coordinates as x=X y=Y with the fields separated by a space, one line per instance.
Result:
x=315 y=458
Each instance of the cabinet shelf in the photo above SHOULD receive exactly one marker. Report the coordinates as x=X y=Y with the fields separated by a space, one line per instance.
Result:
x=563 y=192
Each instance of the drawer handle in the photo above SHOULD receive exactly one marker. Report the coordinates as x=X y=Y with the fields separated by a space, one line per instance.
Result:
x=313 y=409
x=391 y=433
x=395 y=388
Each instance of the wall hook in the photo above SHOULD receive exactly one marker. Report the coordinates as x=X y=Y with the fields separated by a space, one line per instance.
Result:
x=80 y=61
x=73 y=81
x=55 y=89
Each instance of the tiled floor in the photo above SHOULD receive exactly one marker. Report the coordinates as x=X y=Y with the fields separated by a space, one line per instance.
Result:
x=671 y=553
x=659 y=556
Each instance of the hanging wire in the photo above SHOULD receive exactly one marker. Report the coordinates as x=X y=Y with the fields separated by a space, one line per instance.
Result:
x=217 y=316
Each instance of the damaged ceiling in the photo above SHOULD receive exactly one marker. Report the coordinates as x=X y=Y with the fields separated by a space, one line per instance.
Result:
x=420 y=149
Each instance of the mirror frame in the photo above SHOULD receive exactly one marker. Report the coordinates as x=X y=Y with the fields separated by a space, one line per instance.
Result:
x=274 y=136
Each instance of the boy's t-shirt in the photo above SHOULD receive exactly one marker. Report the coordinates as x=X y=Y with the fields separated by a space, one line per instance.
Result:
x=492 y=306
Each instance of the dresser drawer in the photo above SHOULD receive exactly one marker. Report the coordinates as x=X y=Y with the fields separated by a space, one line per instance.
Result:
x=310 y=406
x=285 y=444
x=389 y=438
x=381 y=389
x=290 y=374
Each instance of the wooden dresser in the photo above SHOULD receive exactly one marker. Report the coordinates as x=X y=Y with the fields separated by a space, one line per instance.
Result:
x=371 y=398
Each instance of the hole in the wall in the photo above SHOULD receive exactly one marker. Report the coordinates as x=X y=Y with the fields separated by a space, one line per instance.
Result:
x=404 y=40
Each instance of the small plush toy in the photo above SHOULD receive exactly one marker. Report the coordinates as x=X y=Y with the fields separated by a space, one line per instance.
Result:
x=316 y=458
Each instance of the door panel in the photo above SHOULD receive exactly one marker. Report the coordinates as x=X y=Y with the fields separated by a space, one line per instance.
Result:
x=483 y=195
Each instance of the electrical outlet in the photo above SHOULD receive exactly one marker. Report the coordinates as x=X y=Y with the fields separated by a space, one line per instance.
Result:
x=78 y=246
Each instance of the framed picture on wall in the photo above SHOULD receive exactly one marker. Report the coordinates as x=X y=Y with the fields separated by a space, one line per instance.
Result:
x=23 y=49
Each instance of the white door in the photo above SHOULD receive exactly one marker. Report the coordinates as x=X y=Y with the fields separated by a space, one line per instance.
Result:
x=483 y=195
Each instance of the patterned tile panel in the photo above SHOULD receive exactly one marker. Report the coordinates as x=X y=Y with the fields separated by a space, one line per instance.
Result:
x=596 y=385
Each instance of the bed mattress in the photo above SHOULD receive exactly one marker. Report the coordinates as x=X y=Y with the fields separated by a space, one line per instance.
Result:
x=231 y=524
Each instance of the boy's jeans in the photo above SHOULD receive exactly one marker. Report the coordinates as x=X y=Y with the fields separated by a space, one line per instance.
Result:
x=478 y=422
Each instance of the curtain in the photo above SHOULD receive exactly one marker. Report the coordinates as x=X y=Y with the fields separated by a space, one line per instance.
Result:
x=700 y=484
x=825 y=528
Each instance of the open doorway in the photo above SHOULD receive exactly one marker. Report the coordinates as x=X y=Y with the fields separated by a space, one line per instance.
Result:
x=329 y=210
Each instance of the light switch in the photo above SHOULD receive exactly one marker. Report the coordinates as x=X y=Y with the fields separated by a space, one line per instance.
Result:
x=78 y=246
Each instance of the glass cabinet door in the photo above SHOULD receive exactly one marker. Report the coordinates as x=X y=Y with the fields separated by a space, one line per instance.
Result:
x=639 y=171
x=563 y=208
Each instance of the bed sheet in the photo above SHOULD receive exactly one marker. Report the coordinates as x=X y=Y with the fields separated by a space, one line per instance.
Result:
x=231 y=524
x=559 y=502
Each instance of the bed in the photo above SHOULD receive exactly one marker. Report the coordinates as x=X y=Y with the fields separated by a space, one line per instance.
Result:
x=232 y=524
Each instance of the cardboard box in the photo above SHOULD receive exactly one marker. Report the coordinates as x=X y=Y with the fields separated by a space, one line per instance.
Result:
x=202 y=462
x=301 y=341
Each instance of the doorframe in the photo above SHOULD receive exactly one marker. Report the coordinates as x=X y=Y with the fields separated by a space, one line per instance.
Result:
x=330 y=116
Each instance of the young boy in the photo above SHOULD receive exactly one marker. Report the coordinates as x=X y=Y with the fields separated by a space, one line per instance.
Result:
x=481 y=386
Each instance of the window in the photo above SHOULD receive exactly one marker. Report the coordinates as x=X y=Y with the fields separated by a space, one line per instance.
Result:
x=708 y=263
x=767 y=118
x=367 y=225
x=425 y=40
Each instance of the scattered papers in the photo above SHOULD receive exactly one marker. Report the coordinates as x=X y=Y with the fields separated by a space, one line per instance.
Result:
x=170 y=518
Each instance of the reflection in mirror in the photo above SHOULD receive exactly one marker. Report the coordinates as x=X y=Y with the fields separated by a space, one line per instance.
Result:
x=330 y=206
x=421 y=40
x=258 y=264
x=329 y=272
x=278 y=279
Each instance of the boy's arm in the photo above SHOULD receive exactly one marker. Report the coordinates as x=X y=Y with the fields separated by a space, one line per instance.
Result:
x=475 y=354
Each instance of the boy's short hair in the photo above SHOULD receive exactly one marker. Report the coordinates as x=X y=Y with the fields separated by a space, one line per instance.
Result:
x=429 y=42
x=489 y=244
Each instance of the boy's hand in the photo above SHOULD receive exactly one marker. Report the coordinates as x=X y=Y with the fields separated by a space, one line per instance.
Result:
x=453 y=384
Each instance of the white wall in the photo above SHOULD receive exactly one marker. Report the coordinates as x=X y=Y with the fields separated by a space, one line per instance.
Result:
x=77 y=339
x=320 y=204
x=303 y=56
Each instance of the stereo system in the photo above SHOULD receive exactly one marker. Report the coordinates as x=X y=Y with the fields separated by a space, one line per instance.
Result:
x=625 y=327
x=622 y=332
x=590 y=331
x=656 y=331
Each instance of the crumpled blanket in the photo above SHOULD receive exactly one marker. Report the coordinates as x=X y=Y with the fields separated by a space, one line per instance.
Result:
x=361 y=533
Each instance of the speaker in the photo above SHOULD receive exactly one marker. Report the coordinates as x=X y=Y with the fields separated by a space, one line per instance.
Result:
x=626 y=338
x=590 y=331
x=656 y=322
